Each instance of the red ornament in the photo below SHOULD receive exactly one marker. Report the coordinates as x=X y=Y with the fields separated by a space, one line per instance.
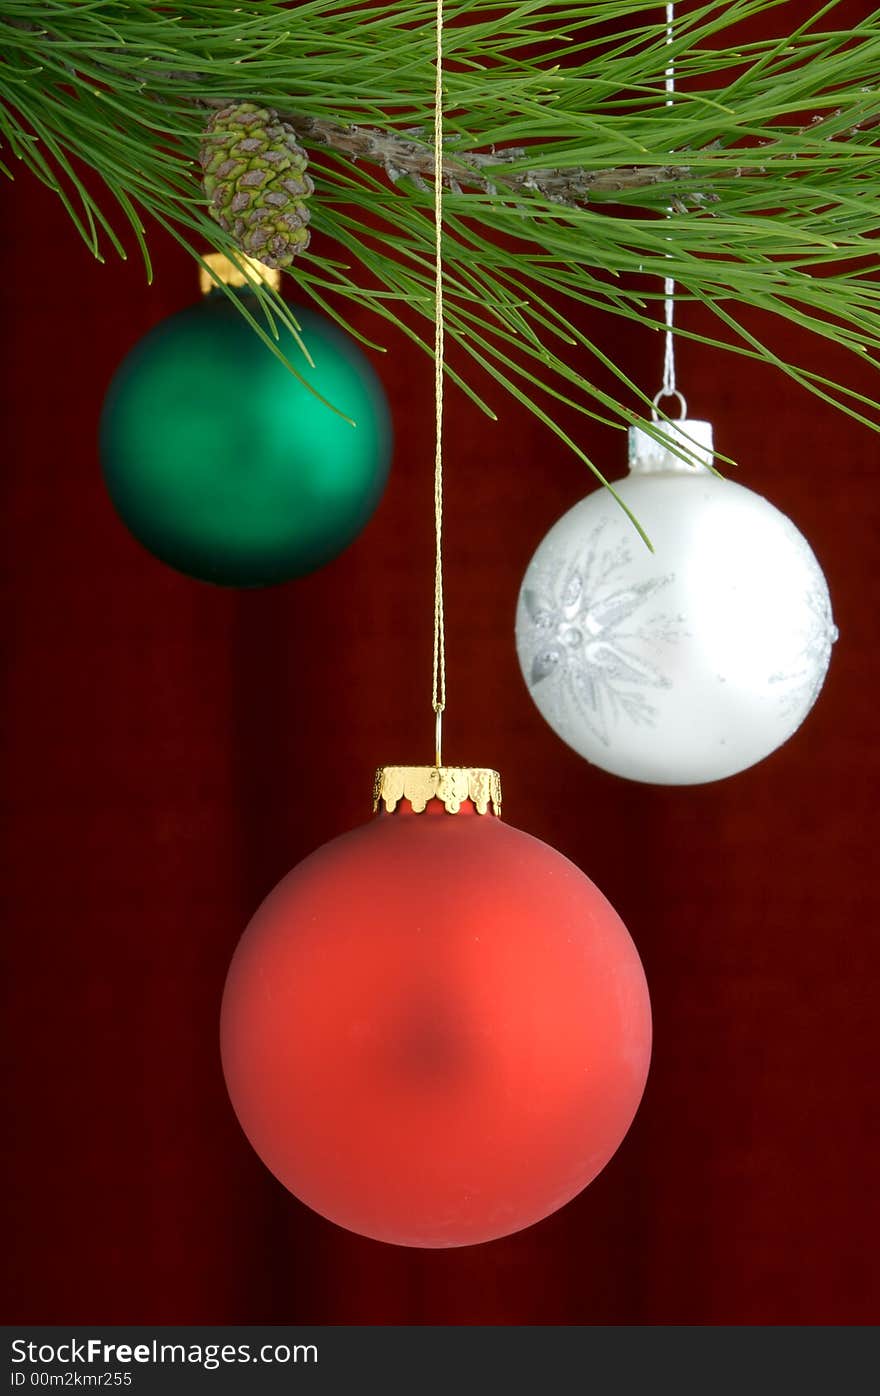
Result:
x=436 y=1030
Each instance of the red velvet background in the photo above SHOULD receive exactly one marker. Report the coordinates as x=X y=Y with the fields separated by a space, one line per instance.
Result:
x=170 y=750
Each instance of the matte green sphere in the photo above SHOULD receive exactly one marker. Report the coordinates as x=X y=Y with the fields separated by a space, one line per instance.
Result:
x=224 y=465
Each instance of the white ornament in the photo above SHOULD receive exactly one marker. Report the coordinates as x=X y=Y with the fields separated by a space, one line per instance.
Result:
x=690 y=663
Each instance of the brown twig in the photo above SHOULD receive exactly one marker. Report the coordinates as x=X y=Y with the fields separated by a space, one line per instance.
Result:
x=403 y=154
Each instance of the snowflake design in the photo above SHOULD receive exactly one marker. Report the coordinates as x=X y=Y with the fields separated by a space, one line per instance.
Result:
x=587 y=638
x=808 y=675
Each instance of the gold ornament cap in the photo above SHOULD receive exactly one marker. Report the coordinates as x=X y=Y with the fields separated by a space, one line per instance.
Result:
x=221 y=270
x=684 y=447
x=453 y=786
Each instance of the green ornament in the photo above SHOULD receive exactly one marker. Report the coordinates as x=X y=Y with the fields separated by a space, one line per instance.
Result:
x=224 y=465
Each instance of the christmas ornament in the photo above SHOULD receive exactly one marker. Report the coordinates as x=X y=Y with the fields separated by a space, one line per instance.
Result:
x=690 y=663
x=223 y=464
x=254 y=175
x=435 y=1030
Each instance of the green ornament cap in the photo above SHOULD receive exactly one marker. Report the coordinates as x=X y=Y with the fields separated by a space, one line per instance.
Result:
x=219 y=270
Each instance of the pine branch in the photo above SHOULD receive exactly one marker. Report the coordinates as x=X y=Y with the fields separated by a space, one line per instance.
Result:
x=410 y=154
x=554 y=110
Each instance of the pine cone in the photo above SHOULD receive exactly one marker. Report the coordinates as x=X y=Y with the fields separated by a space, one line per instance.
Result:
x=254 y=174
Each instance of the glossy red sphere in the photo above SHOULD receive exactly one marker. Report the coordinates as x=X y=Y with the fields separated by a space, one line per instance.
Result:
x=435 y=1030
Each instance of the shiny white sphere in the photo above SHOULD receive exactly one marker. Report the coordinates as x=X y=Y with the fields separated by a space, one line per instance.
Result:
x=687 y=664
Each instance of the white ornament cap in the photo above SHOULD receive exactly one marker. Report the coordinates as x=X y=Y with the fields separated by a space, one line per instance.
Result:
x=685 y=447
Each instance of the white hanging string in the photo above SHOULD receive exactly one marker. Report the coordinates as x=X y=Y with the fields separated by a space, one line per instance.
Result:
x=439 y=687
x=669 y=387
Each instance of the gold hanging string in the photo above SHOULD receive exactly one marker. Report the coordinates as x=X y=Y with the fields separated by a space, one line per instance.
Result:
x=439 y=690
